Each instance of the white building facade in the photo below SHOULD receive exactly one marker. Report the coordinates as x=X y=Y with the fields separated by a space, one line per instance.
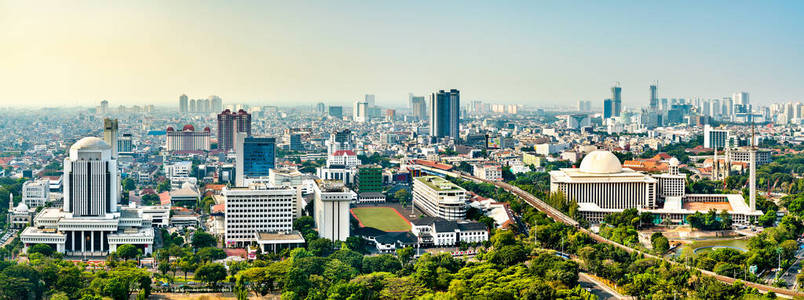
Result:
x=331 y=214
x=438 y=197
x=258 y=208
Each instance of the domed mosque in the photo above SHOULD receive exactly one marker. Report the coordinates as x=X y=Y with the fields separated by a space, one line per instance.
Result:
x=601 y=186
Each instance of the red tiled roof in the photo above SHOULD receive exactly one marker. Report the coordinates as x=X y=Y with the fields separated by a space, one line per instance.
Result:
x=342 y=152
x=432 y=164
x=164 y=198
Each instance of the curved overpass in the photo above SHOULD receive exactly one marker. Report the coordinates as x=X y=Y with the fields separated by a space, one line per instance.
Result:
x=561 y=217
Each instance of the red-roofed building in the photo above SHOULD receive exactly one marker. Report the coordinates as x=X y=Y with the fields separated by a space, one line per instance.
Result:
x=164 y=198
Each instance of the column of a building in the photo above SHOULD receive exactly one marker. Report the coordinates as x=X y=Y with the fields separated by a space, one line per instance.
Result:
x=101 y=241
x=83 y=242
x=92 y=241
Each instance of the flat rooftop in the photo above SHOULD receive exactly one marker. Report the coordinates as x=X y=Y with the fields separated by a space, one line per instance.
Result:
x=438 y=183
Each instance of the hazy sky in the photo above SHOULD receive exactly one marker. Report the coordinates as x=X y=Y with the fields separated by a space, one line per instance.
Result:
x=289 y=52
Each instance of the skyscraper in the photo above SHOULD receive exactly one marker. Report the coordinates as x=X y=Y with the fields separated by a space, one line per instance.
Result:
x=370 y=100
x=320 y=107
x=104 y=107
x=418 y=107
x=215 y=103
x=360 y=111
x=183 y=104
x=608 y=108
x=229 y=124
x=616 y=95
x=193 y=108
x=336 y=112
x=445 y=116
x=110 y=135
x=654 y=100
x=91 y=188
x=741 y=98
x=256 y=157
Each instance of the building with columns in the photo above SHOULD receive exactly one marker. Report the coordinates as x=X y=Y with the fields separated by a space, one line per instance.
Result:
x=601 y=186
x=90 y=223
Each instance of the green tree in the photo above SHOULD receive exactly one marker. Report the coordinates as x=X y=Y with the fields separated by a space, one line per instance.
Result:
x=660 y=245
x=211 y=273
x=42 y=249
x=202 y=239
x=128 y=251
x=402 y=196
x=208 y=254
x=163 y=186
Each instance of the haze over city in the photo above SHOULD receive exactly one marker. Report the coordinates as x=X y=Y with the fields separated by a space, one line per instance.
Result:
x=77 y=53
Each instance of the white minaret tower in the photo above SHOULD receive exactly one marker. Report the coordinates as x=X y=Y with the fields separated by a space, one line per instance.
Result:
x=715 y=166
x=752 y=167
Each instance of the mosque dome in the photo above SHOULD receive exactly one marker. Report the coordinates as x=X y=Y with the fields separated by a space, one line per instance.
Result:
x=21 y=208
x=601 y=162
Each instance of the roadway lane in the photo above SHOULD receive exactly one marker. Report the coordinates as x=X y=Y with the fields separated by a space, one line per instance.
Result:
x=599 y=289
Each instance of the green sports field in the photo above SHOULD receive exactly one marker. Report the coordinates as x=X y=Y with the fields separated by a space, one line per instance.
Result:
x=383 y=218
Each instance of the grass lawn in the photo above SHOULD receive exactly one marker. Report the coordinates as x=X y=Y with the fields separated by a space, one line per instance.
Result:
x=383 y=218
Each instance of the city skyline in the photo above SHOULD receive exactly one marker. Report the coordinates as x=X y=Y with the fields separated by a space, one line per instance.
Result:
x=298 y=53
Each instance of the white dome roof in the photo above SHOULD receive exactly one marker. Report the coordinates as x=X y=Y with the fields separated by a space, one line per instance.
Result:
x=90 y=143
x=673 y=162
x=21 y=207
x=601 y=162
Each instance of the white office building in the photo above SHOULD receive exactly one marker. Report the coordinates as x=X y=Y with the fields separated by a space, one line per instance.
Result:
x=36 y=193
x=715 y=137
x=256 y=209
x=90 y=223
x=488 y=171
x=437 y=197
x=331 y=205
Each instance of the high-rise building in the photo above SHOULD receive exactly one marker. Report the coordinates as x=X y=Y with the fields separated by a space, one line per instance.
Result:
x=104 y=107
x=125 y=144
x=188 y=139
x=717 y=138
x=193 y=108
x=110 y=134
x=445 y=115
x=294 y=141
x=256 y=156
x=320 y=108
x=616 y=96
x=741 y=98
x=654 y=98
x=369 y=179
x=90 y=223
x=183 y=102
x=370 y=100
x=331 y=204
x=360 y=111
x=418 y=107
x=215 y=103
x=608 y=108
x=229 y=124
x=259 y=210
x=336 y=112
x=91 y=187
